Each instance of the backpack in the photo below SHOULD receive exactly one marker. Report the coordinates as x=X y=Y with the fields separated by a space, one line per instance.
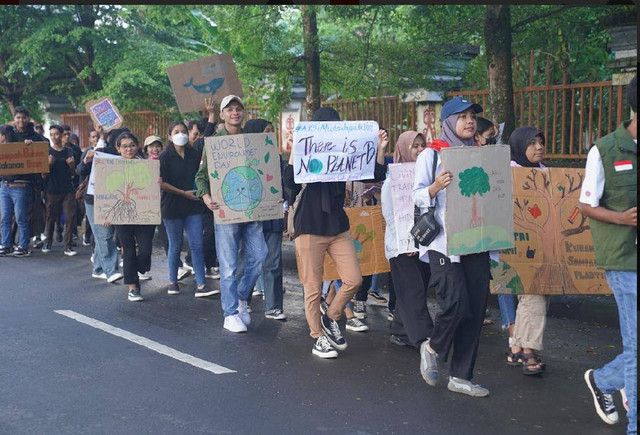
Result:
x=292 y=212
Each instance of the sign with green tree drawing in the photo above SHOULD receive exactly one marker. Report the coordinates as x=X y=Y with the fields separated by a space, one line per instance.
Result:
x=126 y=191
x=479 y=208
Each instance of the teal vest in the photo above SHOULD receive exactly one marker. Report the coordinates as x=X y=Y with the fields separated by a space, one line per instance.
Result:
x=615 y=245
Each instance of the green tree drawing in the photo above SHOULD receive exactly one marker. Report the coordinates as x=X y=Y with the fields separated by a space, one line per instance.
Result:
x=132 y=180
x=474 y=181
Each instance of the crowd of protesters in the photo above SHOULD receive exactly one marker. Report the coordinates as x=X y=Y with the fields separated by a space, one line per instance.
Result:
x=247 y=257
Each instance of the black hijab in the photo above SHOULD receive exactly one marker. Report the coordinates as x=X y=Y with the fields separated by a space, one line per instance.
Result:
x=255 y=126
x=519 y=141
x=329 y=191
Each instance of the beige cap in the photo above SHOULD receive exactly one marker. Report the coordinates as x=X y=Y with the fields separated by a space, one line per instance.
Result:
x=228 y=99
x=151 y=139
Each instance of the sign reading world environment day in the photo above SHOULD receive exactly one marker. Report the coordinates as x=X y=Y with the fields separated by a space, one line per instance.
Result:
x=401 y=179
x=334 y=151
x=244 y=177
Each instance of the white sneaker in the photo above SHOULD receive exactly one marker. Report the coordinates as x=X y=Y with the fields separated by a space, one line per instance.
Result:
x=243 y=313
x=113 y=278
x=233 y=323
x=183 y=272
x=99 y=275
x=257 y=292
x=144 y=276
x=121 y=263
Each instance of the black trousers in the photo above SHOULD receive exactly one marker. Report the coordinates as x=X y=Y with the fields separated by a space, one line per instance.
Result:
x=462 y=290
x=411 y=318
x=136 y=249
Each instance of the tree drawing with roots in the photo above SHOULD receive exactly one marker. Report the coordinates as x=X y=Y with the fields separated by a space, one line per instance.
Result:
x=127 y=184
x=474 y=181
x=553 y=270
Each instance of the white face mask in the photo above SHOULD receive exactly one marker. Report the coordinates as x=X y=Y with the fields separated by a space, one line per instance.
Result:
x=180 y=139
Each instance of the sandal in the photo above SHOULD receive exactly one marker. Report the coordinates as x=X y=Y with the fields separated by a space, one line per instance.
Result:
x=487 y=321
x=514 y=359
x=537 y=362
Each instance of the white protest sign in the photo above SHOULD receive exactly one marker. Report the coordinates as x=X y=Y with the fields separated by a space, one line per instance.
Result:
x=401 y=177
x=92 y=176
x=334 y=151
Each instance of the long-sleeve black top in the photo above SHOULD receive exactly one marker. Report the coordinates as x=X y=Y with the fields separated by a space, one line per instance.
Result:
x=311 y=216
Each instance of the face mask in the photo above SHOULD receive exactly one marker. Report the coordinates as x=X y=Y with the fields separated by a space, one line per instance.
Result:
x=491 y=141
x=180 y=139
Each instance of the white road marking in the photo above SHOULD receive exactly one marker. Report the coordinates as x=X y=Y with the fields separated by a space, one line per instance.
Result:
x=149 y=344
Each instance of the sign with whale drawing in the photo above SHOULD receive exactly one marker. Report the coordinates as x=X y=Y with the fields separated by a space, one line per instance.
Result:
x=211 y=77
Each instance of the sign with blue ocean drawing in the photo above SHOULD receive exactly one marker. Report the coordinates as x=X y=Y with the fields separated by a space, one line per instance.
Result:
x=334 y=151
x=479 y=206
x=244 y=177
x=212 y=77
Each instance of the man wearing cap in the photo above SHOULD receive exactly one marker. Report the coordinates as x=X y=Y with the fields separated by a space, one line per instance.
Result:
x=609 y=198
x=234 y=292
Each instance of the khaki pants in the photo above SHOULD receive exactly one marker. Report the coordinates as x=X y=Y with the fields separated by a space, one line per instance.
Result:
x=311 y=250
x=531 y=320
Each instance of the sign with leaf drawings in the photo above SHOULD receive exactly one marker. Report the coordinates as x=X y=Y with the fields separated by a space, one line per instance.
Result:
x=334 y=151
x=401 y=179
x=367 y=230
x=18 y=158
x=211 y=77
x=244 y=177
x=553 y=252
x=479 y=207
x=126 y=191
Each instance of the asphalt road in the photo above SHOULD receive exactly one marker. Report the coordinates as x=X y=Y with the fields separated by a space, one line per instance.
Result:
x=59 y=376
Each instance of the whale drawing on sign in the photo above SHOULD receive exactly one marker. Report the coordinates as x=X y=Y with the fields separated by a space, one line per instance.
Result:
x=207 y=88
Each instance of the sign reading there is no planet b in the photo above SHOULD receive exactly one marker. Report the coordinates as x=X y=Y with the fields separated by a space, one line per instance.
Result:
x=334 y=151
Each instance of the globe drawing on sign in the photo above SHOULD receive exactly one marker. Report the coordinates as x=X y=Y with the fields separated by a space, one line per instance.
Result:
x=242 y=189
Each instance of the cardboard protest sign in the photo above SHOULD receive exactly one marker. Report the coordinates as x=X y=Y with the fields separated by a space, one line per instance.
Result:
x=334 y=151
x=401 y=179
x=92 y=174
x=17 y=158
x=244 y=177
x=367 y=230
x=212 y=77
x=103 y=112
x=126 y=191
x=479 y=201
x=289 y=119
x=553 y=251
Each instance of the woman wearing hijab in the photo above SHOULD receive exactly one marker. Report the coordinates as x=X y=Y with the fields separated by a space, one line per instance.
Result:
x=270 y=280
x=527 y=150
x=412 y=323
x=322 y=226
x=461 y=282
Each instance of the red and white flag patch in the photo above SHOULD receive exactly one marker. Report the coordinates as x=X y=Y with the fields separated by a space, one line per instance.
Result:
x=622 y=165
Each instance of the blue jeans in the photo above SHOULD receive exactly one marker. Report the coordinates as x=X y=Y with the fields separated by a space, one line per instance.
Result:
x=228 y=239
x=15 y=200
x=507 y=305
x=337 y=284
x=271 y=275
x=622 y=371
x=175 y=228
x=105 y=258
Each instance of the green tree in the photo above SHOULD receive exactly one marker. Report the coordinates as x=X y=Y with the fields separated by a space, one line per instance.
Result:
x=474 y=181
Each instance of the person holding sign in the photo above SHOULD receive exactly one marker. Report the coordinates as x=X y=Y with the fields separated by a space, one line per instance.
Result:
x=609 y=197
x=461 y=282
x=234 y=291
x=322 y=226
x=136 y=239
x=412 y=322
x=181 y=209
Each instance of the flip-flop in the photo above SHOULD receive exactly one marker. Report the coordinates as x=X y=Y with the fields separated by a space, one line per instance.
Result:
x=487 y=321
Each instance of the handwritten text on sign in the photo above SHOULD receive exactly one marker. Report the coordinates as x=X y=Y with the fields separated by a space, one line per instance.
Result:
x=334 y=151
x=401 y=177
x=18 y=158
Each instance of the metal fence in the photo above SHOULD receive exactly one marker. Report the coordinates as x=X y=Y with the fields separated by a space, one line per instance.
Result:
x=571 y=116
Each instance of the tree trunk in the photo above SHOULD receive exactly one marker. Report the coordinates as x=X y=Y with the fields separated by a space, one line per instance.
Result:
x=497 y=36
x=311 y=59
x=12 y=101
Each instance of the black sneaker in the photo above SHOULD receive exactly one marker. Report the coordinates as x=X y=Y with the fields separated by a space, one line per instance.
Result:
x=360 y=309
x=86 y=241
x=38 y=243
x=332 y=331
x=134 y=295
x=46 y=247
x=19 y=252
x=4 y=252
x=324 y=306
x=59 y=237
x=375 y=297
x=603 y=402
x=323 y=348
x=70 y=252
